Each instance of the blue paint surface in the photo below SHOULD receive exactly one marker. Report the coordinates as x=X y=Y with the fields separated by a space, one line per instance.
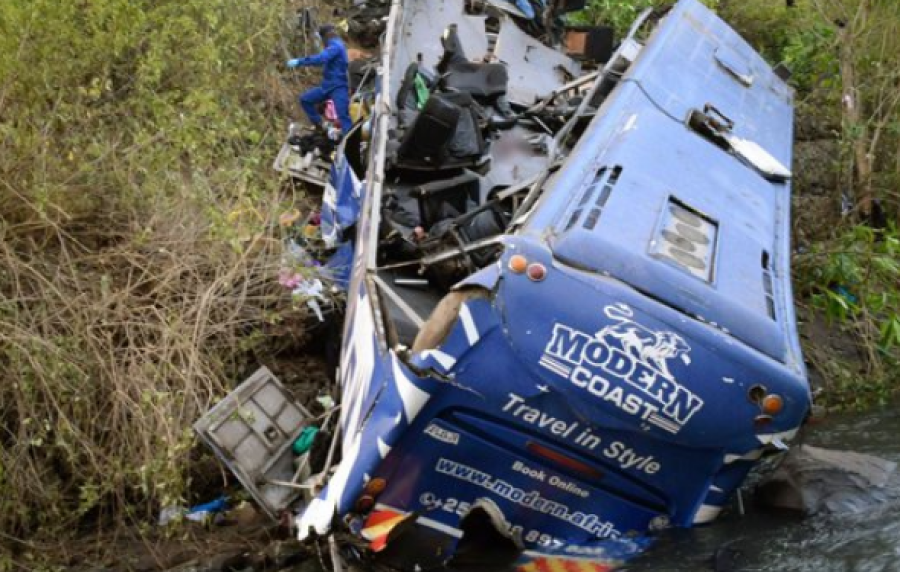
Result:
x=613 y=397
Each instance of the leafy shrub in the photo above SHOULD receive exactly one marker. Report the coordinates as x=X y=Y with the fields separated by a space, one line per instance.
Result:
x=810 y=55
x=853 y=281
x=129 y=131
x=767 y=26
x=619 y=14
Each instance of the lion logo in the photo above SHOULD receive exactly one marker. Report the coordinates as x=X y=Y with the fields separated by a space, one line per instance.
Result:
x=652 y=348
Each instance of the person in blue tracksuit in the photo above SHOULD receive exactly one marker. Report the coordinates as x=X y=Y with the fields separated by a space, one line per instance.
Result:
x=333 y=61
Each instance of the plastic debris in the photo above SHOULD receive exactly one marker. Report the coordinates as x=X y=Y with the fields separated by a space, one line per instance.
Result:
x=198 y=513
x=305 y=440
x=289 y=279
x=525 y=7
x=844 y=293
x=205 y=511
x=312 y=290
x=289 y=218
x=326 y=401
x=170 y=514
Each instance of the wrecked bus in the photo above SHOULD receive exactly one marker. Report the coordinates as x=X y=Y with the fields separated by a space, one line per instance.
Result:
x=569 y=318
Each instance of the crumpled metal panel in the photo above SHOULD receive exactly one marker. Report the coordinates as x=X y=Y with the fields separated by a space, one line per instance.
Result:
x=533 y=67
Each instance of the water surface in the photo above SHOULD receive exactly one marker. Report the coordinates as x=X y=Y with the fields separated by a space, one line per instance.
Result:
x=863 y=541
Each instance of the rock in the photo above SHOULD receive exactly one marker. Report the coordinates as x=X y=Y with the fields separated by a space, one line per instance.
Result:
x=234 y=562
x=725 y=559
x=282 y=553
x=816 y=165
x=814 y=217
x=816 y=178
x=153 y=561
x=812 y=480
x=816 y=118
x=190 y=566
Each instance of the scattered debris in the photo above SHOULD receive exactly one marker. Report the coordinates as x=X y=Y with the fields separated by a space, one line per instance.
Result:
x=206 y=512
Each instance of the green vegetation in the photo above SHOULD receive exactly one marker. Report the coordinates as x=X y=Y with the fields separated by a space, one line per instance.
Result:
x=620 y=13
x=136 y=268
x=852 y=279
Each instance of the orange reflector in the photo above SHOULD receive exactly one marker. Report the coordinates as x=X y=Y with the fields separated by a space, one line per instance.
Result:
x=563 y=460
x=517 y=263
x=375 y=486
x=536 y=272
x=772 y=404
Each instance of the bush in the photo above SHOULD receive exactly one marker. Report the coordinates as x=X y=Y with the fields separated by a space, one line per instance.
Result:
x=619 y=14
x=135 y=136
x=852 y=281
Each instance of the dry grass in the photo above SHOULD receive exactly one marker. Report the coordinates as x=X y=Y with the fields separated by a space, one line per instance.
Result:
x=115 y=336
x=138 y=260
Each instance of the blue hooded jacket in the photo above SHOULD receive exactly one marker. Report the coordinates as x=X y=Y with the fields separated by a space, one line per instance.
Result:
x=333 y=61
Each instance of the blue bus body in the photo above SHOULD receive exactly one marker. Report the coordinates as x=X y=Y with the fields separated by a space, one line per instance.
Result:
x=633 y=383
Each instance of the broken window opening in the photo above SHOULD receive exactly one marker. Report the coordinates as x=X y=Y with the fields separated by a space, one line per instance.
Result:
x=712 y=125
x=716 y=128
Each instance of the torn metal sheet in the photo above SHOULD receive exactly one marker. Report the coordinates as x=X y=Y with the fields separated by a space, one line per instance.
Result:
x=252 y=431
x=534 y=69
x=508 y=7
x=760 y=159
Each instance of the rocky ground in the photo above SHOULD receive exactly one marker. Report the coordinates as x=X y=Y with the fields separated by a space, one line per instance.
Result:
x=817 y=151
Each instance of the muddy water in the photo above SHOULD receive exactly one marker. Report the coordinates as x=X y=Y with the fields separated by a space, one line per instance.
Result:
x=867 y=540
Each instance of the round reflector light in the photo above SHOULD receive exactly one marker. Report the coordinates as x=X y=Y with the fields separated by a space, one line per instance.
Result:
x=772 y=404
x=517 y=263
x=536 y=272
